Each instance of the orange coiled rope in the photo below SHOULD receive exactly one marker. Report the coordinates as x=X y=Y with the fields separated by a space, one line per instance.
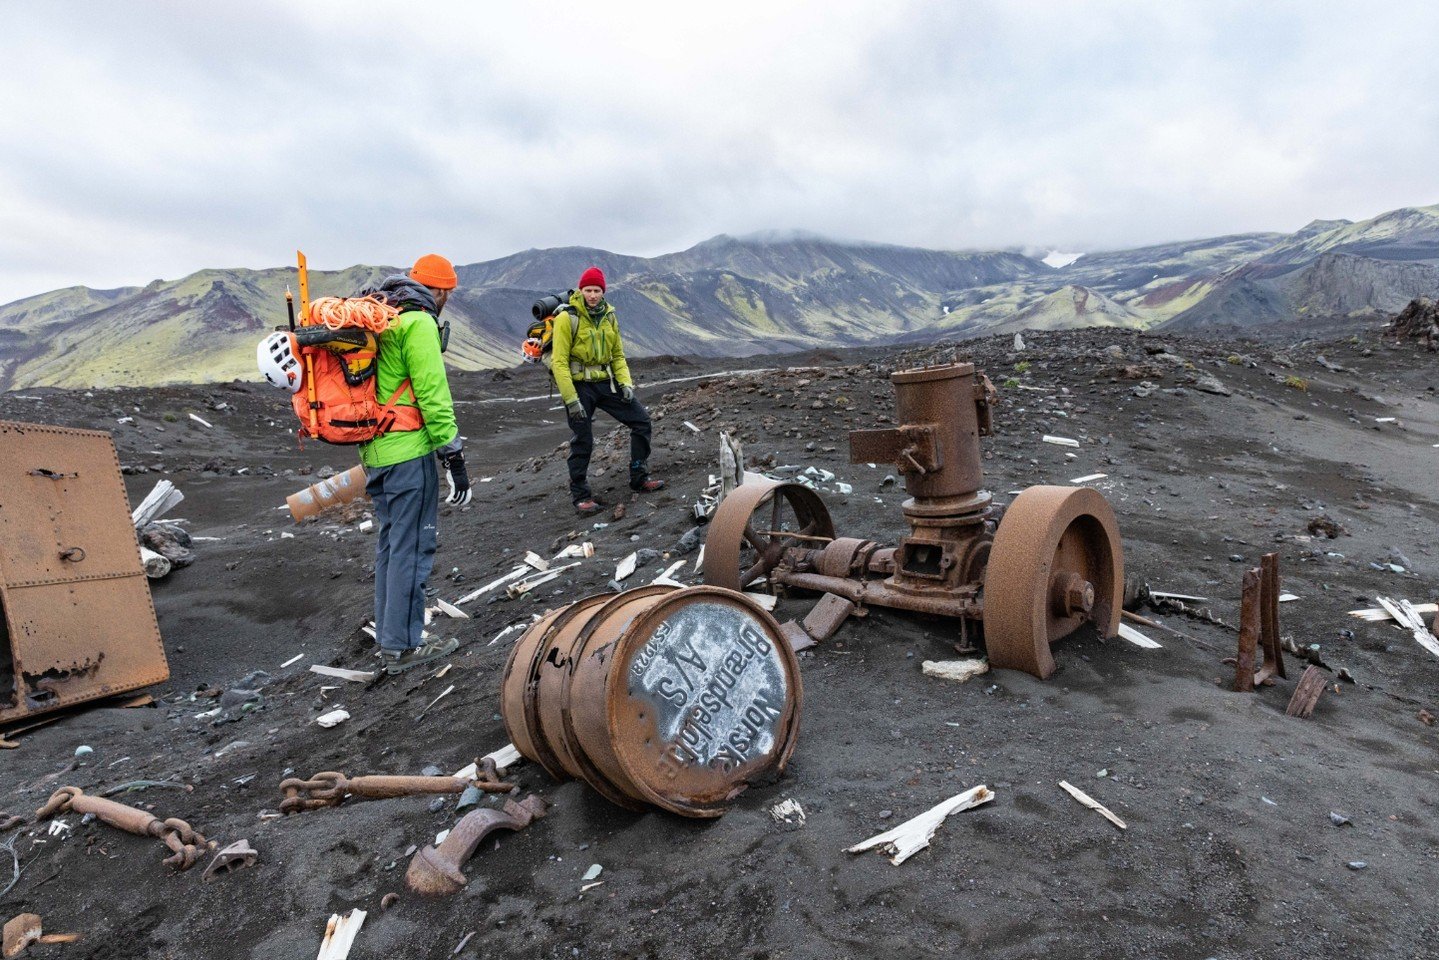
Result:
x=368 y=313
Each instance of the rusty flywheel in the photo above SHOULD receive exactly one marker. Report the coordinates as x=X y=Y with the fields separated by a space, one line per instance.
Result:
x=1057 y=562
x=754 y=526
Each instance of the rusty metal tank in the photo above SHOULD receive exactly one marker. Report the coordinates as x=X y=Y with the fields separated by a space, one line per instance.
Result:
x=656 y=697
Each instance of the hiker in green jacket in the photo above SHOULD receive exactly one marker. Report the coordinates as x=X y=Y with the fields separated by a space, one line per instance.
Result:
x=588 y=362
x=401 y=475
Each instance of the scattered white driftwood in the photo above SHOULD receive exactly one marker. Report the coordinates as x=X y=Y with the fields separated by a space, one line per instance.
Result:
x=450 y=610
x=731 y=463
x=366 y=526
x=699 y=560
x=667 y=582
x=912 y=836
x=340 y=935
x=295 y=659
x=333 y=719
x=959 y=671
x=475 y=595
x=1127 y=632
x=506 y=632
x=1092 y=803
x=626 y=567
x=690 y=426
x=1163 y=595
x=1386 y=419
x=787 y=811
x=522 y=587
x=505 y=757
x=447 y=691
x=1089 y=478
x=669 y=573
x=576 y=550
x=537 y=561
x=1288 y=597
x=202 y=421
x=156 y=565
x=1060 y=441
x=158 y=502
x=357 y=676
x=767 y=600
x=1407 y=616
x=1379 y=614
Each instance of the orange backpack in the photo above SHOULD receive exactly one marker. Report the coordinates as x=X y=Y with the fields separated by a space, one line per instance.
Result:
x=337 y=402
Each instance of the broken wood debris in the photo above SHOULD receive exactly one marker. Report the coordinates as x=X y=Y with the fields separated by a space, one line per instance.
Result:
x=503 y=758
x=1091 y=803
x=1060 y=441
x=1089 y=478
x=912 y=836
x=450 y=610
x=766 y=600
x=355 y=676
x=1126 y=632
x=157 y=566
x=1407 y=616
x=537 y=561
x=626 y=567
x=1307 y=692
x=202 y=421
x=163 y=498
x=1379 y=614
x=500 y=581
x=340 y=935
x=333 y=719
x=668 y=575
x=787 y=811
x=295 y=659
x=960 y=671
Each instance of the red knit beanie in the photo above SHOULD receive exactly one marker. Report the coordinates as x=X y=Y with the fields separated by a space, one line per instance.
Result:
x=592 y=277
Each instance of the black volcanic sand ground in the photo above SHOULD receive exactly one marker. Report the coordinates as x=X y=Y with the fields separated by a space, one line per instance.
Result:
x=1230 y=849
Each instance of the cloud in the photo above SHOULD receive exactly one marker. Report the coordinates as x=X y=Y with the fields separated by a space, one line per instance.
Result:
x=154 y=139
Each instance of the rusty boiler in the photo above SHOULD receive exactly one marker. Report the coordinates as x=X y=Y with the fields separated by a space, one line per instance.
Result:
x=1021 y=581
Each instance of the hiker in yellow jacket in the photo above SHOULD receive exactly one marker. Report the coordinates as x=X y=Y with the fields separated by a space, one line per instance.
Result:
x=588 y=362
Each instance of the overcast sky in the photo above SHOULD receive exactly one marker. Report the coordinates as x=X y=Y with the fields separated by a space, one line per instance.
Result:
x=147 y=139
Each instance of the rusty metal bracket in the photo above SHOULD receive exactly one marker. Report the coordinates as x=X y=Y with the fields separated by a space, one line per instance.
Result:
x=186 y=844
x=912 y=448
x=330 y=788
x=436 y=871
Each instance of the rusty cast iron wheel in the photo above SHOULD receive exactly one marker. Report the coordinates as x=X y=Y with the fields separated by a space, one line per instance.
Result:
x=756 y=524
x=1057 y=562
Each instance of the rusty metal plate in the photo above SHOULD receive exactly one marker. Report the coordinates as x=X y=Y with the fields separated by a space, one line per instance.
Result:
x=78 y=619
x=828 y=616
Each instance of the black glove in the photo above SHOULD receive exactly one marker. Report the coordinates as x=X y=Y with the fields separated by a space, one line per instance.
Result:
x=627 y=391
x=457 y=477
x=575 y=410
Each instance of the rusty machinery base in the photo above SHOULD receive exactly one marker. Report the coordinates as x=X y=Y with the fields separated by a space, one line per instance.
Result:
x=1053 y=562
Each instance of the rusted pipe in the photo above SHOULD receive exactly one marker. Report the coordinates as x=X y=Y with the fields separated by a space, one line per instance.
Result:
x=330 y=788
x=186 y=844
x=942 y=603
x=435 y=871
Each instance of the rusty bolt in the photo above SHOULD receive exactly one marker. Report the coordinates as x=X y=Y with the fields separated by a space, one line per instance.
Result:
x=1071 y=594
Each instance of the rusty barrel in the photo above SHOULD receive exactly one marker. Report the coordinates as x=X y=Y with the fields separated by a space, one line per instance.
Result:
x=658 y=696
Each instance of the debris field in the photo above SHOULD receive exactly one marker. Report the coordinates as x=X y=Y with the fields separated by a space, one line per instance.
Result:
x=1134 y=804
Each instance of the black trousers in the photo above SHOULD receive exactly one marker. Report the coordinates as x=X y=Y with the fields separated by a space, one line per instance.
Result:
x=631 y=413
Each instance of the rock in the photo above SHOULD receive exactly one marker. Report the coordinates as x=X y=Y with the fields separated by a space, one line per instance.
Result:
x=1019 y=341
x=325 y=472
x=471 y=797
x=1339 y=819
x=1324 y=526
x=691 y=540
x=236 y=696
x=644 y=556
x=437 y=804
x=84 y=751
x=430 y=770
x=254 y=680
x=1115 y=351
x=1209 y=383
x=1357 y=865
x=170 y=542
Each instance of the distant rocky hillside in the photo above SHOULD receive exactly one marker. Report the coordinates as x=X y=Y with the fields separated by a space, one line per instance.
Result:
x=738 y=296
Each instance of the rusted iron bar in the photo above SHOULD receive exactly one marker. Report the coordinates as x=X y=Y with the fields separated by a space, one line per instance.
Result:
x=436 y=871
x=1312 y=685
x=1249 y=618
x=186 y=845
x=877 y=593
x=1269 y=628
x=329 y=789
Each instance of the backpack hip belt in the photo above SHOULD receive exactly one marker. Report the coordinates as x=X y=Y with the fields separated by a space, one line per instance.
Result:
x=590 y=372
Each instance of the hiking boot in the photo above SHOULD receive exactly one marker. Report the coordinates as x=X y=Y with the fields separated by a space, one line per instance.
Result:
x=648 y=486
x=398 y=661
x=588 y=507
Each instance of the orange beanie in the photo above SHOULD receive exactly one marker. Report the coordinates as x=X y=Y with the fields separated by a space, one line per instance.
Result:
x=435 y=271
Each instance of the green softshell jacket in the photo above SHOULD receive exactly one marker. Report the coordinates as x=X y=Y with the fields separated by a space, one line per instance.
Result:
x=411 y=348
x=591 y=342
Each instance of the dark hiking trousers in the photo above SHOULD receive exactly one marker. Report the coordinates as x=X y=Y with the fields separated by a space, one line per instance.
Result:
x=631 y=413
x=407 y=506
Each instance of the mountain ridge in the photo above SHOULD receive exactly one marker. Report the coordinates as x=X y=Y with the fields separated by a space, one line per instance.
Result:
x=764 y=292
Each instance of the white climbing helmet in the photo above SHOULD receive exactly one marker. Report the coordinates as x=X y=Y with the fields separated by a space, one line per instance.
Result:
x=278 y=363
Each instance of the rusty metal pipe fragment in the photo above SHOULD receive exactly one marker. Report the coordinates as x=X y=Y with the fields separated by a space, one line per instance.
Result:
x=435 y=871
x=1249 y=626
x=330 y=788
x=185 y=843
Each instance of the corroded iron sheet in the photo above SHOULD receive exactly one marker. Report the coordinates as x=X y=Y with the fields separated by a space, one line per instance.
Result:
x=78 y=621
